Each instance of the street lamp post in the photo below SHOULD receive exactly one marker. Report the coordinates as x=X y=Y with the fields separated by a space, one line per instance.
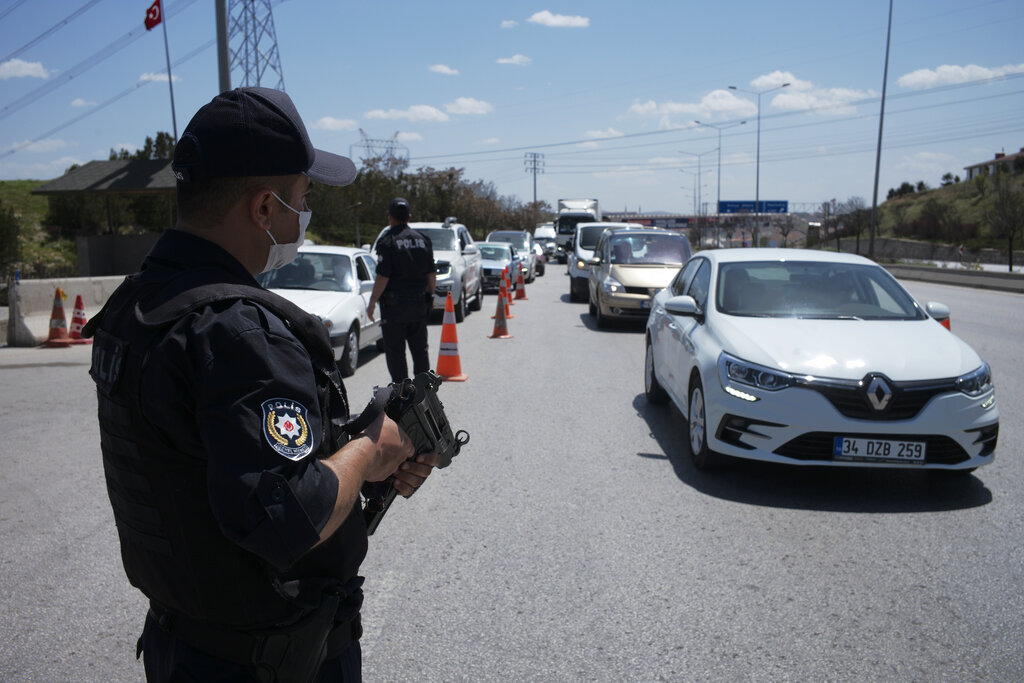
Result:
x=718 y=203
x=757 y=182
x=697 y=199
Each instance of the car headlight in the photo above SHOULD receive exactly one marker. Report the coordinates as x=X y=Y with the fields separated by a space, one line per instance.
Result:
x=612 y=286
x=977 y=382
x=581 y=264
x=734 y=370
x=443 y=269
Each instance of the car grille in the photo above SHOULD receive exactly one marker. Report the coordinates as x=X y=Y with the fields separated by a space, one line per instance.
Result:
x=908 y=398
x=940 y=450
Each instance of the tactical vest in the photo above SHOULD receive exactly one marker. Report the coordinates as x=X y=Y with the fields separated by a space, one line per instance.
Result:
x=171 y=545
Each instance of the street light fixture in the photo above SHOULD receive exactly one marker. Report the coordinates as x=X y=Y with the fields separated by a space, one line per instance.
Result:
x=718 y=204
x=757 y=186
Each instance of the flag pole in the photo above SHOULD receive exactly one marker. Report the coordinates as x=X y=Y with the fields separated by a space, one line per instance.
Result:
x=170 y=80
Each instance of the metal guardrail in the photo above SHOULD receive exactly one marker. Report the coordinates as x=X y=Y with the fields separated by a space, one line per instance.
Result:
x=979 y=279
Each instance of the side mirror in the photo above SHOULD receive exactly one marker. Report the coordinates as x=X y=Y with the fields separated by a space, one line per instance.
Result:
x=685 y=306
x=940 y=312
x=365 y=286
x=365 y=247
x=471 y=249
x=596 y=261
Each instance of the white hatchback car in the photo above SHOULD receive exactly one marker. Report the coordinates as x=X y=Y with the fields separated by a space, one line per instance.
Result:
x=334 y=284
x=814 y=358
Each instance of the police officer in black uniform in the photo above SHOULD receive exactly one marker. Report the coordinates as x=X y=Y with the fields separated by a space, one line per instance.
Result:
x=405 y=288
x=234 y=488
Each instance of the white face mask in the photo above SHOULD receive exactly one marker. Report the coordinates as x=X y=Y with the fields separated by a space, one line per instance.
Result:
x=283 y=254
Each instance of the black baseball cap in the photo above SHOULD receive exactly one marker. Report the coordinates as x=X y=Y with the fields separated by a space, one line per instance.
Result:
x=399 y=208
x=253 y=132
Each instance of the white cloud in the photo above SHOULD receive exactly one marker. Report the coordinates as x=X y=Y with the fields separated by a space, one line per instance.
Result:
x=721 y=104
x=604 y=134
x=546 y=18
x=950 y=74
x=929 y=165
x=509 y=23
x=331 y=123
x=663 y=161
x=589 y=145
x=777 y=78
x=39 y=146
x=156 y=78
x=17 y=68
x=409 y=137
x=417 y=112
x=490 y=141
x=444 y=69
x=80 y=102
x=468 y=105
x=518 y=60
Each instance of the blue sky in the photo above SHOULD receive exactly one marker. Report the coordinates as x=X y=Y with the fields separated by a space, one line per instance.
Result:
x=608 y=92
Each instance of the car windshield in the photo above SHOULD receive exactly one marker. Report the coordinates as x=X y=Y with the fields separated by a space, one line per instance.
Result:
x=495 y=252
x=663 y=249
x=517 y=239
x=590 y=235
x=310 y=270
x=441 y=239
x=806 y=289
x=567 y=224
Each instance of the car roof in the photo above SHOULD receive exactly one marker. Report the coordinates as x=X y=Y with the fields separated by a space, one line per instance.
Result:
x=328 y=249
x=740 y=254
x=507 y=232
x=641 y=231
x=631 y=226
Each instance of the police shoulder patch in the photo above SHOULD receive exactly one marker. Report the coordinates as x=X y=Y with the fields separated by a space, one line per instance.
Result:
x=286 y=428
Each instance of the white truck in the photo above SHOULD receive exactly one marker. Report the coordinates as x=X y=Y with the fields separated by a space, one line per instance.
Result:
x=571 y=212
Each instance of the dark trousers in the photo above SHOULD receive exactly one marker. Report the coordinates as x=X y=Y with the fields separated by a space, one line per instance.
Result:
x=402 y=324
x=170 y=660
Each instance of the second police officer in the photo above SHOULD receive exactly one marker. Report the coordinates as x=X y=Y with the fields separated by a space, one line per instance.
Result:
x=405 y=289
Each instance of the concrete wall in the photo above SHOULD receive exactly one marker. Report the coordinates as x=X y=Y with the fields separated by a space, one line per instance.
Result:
x=34 y=305
x=898 y=250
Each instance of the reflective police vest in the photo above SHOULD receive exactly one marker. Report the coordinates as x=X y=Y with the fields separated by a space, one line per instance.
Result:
x=171 y=544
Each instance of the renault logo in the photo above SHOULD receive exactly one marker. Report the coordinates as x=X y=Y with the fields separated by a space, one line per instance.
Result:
x=879 y=393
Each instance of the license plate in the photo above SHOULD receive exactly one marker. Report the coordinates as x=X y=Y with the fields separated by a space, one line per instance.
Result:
x=878 y=450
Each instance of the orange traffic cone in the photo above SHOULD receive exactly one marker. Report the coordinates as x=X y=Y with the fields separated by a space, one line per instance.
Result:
x=500 y=324
x=58 y=336
x=508 y=289
x=78 y=322
x=503 y=296
x=520 y=286
x=448 y=365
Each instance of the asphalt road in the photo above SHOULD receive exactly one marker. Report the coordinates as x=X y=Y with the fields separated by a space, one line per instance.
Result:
x=571 y=539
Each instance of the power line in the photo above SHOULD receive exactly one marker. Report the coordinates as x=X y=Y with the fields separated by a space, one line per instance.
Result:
x=86 y=64
x=10 y=8
x=63 y=22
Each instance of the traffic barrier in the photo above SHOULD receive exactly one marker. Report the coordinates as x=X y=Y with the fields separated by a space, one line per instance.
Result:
x=500 y=323
x=58 y=336
x=448 y=365
x=520 y=286
x=78 y=322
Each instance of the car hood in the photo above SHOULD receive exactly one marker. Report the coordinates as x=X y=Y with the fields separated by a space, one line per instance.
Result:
x=650 y=276
x=902 y=350
x=491 y=263
x=446 y=255
x=314 y=301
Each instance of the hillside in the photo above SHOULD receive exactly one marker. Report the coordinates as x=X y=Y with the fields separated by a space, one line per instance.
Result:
x=41 y=254
x=952 y=214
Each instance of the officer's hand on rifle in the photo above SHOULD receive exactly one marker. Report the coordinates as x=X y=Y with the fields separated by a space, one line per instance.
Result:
x=412 y=473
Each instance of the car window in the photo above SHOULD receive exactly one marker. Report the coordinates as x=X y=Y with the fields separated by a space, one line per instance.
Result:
x=809 y=289
x=495 y=251
x=698 y=288
x=441 y=239
x=678 y=286
x=590 y=235
x=366 y=268
x=310 y=270
x=649 y=249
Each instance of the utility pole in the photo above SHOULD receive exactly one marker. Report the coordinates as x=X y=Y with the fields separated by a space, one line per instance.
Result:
x=878 y=152
x=534 y=163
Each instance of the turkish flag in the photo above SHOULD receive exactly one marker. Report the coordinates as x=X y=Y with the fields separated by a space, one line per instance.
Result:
x=154 y=15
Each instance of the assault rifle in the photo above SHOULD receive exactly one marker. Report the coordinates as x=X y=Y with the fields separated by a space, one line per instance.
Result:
x=414 y=405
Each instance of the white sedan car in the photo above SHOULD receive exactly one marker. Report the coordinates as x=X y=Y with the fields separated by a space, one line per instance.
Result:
x=813 y=358
x=334 y=284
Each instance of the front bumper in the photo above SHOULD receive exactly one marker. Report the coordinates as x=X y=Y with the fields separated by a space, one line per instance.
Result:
x=798 y=426
x=625 y=305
